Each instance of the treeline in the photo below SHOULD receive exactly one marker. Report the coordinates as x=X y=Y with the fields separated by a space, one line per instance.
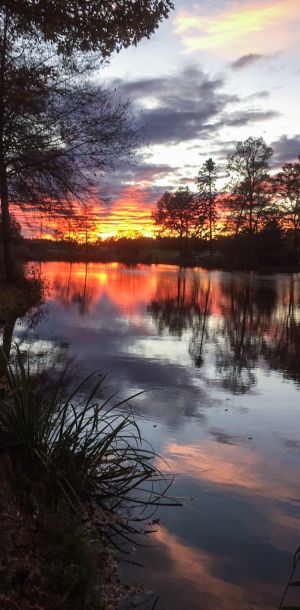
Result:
x=254 y=219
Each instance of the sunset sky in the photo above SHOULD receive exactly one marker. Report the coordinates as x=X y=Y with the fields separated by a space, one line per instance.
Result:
x=216 y=72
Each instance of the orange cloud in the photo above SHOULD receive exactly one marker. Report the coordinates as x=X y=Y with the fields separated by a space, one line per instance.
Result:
x=130 y=214
x=260 y=26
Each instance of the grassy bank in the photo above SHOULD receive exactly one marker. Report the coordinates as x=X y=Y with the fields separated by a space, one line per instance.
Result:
x=75 y=479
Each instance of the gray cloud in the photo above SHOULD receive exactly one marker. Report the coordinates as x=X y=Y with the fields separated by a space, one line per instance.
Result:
x=187 y=106
x=259 y=95
x=286 y=149
x=247 y=60
x=136 y=173
x=177 y=108
x=251 y=116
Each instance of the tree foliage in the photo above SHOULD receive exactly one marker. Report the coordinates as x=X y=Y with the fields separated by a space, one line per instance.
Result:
x=96 y=25
x=207 y=195
x=248 y=170
x=177 y=214
x=287 y=189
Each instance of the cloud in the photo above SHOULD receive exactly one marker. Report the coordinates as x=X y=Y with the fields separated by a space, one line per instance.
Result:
x=246 y=60
x=245 y=117
x=286 y=149
x=262 y=95
x=265 y=25
x=187 y=106
x=177 y=108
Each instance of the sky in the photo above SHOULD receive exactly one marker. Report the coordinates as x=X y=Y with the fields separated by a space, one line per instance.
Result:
x=215 y=72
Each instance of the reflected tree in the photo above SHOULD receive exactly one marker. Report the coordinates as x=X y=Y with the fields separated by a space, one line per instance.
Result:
x=76 y=290
x=200 y=329
x=171 y=311
x=7 y=336
x=247 y=316
x=185 y=308
x=282 y=348
x=259 y=319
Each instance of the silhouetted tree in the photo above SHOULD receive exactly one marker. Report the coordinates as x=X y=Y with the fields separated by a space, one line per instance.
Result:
x=207 y=195
x=287 y=187
x=248 y=169
x=177 y=214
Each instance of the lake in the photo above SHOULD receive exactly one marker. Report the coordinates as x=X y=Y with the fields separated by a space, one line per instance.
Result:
x=218 y=355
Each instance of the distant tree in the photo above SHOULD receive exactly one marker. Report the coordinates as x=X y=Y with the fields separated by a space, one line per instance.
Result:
x=85 y=225
x=207 y=195
x=176 y=214
x=287 y=188
x=249 y=191
x=43 y=44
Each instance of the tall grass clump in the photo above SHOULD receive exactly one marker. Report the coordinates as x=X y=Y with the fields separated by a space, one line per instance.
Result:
x=76 y=450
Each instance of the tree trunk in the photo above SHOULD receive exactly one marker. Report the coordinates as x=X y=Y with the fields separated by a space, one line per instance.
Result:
x=9 y=263
x=251 y=215
x=6 y=224
x=210 y=214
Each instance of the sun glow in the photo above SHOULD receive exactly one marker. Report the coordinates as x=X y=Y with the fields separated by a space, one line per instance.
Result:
x=129 y=215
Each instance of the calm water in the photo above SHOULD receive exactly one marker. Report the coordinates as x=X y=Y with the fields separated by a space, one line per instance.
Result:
x=219 y=356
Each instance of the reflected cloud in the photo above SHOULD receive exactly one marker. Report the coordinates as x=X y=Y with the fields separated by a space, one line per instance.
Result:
x=194 y=575
x=235 y=466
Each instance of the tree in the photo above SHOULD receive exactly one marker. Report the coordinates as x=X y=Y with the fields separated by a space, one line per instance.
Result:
x=96 y=25
x=287 y=188
x=176 y=214
x=16 y=232
x=207 y=193
x=41 y=47
x=249 y=192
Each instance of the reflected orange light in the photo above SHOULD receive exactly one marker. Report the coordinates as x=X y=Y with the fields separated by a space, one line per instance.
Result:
x=76 y=282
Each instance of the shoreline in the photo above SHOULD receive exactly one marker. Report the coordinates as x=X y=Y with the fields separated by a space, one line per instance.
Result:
x=264 y=270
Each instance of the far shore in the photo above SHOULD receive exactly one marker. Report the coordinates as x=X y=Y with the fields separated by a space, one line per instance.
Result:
x=187 y=264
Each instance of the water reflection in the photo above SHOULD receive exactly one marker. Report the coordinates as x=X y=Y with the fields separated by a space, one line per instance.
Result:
x=249 y=318
x=218 y=356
